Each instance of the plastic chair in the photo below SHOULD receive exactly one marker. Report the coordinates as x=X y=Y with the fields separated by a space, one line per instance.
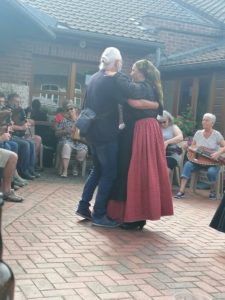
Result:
x=202 y=176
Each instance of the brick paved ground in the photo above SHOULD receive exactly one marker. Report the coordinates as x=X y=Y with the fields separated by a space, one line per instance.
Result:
x=55 y=255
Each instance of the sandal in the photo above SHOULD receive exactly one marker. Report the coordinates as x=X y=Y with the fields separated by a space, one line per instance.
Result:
x=75 y=172
x=12 y=197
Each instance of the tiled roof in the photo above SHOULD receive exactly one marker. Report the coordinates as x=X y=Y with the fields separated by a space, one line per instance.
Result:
x=210 y=55
x=215 y=9
x=121 y=18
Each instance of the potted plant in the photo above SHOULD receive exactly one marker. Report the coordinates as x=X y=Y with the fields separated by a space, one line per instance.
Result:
x=185 y=121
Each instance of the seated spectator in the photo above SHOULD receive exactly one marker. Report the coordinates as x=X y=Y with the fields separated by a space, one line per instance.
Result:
x=5 y=139
x=36 y=113
x=8 y=162
x=20 y=129
x=214 y=141
x=43 y=128
x=7 y=144
x=172 y=135
x=66 y=132
x=60 y=113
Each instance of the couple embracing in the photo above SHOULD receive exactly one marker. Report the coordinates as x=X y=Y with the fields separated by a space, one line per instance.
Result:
x=129 y=165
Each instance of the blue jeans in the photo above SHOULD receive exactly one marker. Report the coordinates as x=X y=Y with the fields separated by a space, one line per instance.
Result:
x=189 y=167
x=10 y=145
x=26 y=154
x=102 y=175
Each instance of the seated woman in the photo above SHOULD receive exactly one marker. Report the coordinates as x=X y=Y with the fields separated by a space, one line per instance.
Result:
x=211 y=139
x=66 y=132
x=172 y=135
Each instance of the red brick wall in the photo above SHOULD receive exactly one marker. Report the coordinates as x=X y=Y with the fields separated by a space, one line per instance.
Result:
x=16 y=58
x=16 y=62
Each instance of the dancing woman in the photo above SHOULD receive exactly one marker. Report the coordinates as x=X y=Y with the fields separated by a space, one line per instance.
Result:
x=142 y=189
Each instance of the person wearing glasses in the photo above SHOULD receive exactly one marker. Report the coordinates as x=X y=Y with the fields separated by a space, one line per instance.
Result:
x=66 y=132
x=172 y=135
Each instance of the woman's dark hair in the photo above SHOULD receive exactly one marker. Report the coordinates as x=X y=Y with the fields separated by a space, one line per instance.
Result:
x=36 y=104
x=151 y=74
x=13 y=95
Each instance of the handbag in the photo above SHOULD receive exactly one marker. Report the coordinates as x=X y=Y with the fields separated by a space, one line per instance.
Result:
x=172 y=149
x=86 y=117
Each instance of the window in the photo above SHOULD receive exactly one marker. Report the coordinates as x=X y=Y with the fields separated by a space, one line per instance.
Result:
x=50 y=92
x=185 y=95
x=203 y=97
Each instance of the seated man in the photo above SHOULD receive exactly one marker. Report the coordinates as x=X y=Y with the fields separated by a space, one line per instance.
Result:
x=68 y=141
x=8 y=162
x=20 y=127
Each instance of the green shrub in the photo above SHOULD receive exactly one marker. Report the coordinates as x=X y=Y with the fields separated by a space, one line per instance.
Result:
x=186 y=122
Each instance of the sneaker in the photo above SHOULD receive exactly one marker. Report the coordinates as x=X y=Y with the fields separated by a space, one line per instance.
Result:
x=84 y=213
x=12 y=197
x=18 y=182
x=179 y=195
x=212 y=195
x=104 y=222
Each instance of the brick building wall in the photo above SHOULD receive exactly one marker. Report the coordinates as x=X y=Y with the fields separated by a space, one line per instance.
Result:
x=181 y=36
x=16 y=69
x=16 y=62
x=17 y=58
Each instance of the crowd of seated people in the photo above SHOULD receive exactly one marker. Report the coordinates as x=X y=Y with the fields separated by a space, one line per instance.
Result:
x=29 y=144
x=61 y=135
x=18 y=147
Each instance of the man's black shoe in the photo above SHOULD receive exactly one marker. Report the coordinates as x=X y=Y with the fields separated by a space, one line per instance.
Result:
x=35 y=174
x=27 y=176
x=84 y=213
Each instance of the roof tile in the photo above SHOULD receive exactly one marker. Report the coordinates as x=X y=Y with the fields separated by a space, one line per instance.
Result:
x=213 y=8
x=118 y=17
x=211 y=54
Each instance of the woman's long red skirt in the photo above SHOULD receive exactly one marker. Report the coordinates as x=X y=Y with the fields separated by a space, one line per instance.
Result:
x=149 y=194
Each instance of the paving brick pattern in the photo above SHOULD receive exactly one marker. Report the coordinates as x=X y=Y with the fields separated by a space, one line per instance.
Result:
x=55 y=255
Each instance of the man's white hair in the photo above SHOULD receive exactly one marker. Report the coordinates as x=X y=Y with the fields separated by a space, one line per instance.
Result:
x=211 y=117
x=108 y=58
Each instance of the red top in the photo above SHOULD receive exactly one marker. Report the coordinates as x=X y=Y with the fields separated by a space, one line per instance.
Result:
x=58 y=118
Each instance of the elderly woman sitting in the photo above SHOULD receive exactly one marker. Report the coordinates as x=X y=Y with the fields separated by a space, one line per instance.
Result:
x=211 y=139
x=66 y=132
x=172 y=135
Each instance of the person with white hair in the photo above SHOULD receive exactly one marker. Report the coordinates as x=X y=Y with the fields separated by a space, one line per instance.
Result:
x=172 y=135
x=103 y=97
x=214 y=141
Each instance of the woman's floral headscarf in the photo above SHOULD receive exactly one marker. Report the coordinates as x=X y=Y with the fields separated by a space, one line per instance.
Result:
x=151 y=74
